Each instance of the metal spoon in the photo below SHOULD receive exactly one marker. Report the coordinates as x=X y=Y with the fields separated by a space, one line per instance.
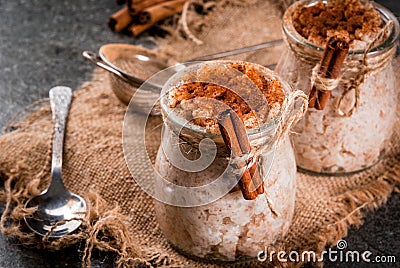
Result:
x=102 y=62
x=57 y=203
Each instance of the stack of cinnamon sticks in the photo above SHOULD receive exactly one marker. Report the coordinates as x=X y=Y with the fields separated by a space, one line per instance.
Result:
x=139 y=15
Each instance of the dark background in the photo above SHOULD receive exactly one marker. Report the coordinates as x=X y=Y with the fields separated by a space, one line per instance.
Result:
x=40 y=47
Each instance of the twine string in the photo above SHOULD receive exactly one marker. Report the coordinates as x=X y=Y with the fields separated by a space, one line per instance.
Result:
x=289 y=114
x=323 y=83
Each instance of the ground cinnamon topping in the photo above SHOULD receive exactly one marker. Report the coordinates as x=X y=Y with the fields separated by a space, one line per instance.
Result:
x=350 y=20
x=204 y=115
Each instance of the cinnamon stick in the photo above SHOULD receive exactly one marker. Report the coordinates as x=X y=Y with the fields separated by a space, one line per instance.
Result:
x=119 y=20
x=325 y=60
x=330 y=67
x=153 y=14
x=235 y=137
x=136 y=29
x=256 y=177
x=254 y=173
x=245 y=146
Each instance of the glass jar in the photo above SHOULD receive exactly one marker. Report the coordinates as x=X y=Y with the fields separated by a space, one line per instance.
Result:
x=352 y=132
x=210 y=218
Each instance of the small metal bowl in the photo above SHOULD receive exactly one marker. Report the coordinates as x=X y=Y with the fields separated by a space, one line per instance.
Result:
x=124 y=57
x=129 y=67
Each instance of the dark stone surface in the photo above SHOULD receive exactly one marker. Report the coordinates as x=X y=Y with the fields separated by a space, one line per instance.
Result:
x=40 y=47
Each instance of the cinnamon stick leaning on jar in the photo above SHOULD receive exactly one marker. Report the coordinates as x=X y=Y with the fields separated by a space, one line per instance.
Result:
x=237 y=142
x=330 y=66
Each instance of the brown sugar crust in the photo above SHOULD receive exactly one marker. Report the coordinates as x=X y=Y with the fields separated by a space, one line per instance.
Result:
x=270 y=88
x=350 y=20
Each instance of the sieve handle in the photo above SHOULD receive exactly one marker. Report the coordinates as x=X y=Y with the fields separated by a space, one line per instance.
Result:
x=96 y=60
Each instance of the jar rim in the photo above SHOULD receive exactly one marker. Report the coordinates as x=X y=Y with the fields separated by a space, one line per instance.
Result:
x=386 y=15
x=177 y=120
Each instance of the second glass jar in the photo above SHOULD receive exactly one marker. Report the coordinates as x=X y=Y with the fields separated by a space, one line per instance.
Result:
x=352 y=132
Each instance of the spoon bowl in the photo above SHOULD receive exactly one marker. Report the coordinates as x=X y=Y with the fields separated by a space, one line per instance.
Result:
x=58 y=215
x=58 y=211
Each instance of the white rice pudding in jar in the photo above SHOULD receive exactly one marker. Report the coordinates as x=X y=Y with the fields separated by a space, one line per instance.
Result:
x=352 y=131
x=225 y=227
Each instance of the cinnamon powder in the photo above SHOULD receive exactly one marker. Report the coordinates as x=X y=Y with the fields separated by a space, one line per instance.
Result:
x=350 y=20
x=204 y=115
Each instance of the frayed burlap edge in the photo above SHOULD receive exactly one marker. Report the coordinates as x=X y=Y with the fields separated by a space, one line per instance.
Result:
x=104 y=227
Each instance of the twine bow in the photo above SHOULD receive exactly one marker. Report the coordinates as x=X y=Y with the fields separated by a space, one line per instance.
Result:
x=326 y=84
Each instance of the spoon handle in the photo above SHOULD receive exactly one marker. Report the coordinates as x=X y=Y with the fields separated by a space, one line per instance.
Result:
x=60 y=100
x=238 y=51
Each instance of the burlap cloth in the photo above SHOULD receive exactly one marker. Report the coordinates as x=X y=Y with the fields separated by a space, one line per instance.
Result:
x=121 y=218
